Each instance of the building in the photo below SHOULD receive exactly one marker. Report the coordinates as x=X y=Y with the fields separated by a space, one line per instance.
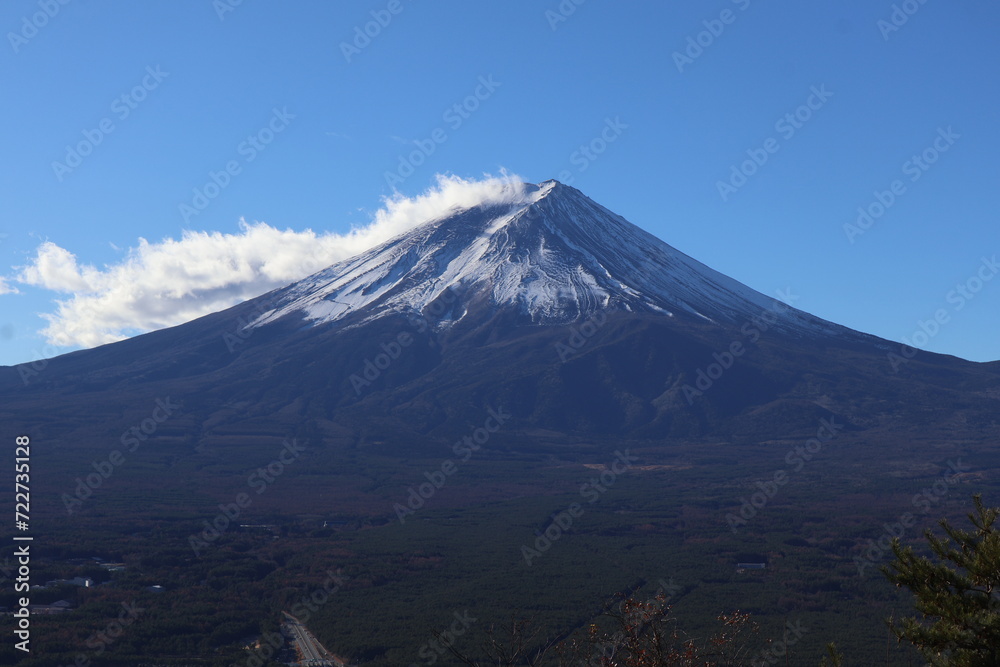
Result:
x=743 y=567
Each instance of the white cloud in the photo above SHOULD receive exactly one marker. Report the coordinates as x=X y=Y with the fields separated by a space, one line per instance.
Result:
x=173 y=281
x=5 y=288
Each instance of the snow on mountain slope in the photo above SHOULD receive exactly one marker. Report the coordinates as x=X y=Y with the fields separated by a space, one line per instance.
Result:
x=545 y=249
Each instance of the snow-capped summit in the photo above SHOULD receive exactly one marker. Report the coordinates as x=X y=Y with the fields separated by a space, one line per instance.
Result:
x=546 y=250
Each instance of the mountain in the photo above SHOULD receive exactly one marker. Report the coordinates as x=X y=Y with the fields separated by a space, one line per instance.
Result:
x=419 y=415
x=538 y=299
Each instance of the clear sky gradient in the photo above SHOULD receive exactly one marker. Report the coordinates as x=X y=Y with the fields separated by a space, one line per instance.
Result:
x=646 y=107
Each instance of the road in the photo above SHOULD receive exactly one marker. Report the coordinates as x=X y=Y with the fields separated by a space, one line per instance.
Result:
x=311 y=652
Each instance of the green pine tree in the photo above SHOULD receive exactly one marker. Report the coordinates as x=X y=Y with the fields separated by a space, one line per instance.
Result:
x=836 y=658
x=957 y=594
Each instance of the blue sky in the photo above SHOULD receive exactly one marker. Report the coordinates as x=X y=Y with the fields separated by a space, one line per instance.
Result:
x=117 y=115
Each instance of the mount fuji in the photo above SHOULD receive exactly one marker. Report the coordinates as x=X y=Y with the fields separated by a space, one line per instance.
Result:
x=417 y=414
x=534 y=298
